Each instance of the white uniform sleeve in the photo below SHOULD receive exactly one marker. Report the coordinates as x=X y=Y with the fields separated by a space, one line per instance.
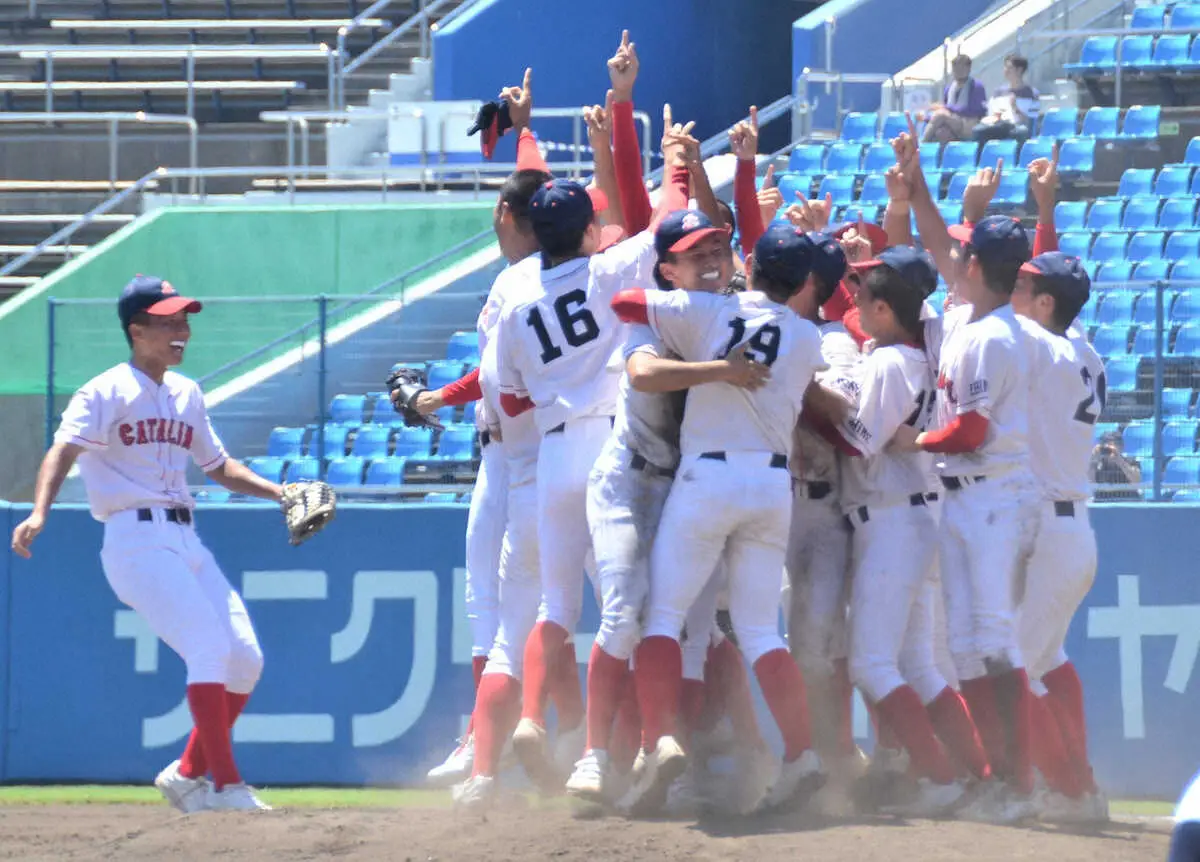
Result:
x=839 y=353
x=682 y=319
x=508 y=375
x=981 y=370
x=208 y=452
x=629 y=263
x=885 y=404
x=87 y=421
x=641 y=339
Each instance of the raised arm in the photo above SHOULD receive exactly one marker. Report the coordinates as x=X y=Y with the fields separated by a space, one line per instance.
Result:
x=627 y=162
x=743 y=141
x=1043 y=183
x=930 y=224
x=520 y=109
x=599 y=125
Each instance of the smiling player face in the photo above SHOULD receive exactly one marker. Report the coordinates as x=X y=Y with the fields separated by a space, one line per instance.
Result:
x=161 y=339
x=707 y=266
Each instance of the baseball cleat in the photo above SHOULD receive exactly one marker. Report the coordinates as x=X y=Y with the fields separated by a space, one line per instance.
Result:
x=995 y=802
x=184 y=794
x=531 y=748
x=569 y=747
x=455 y=768
x=755 y=771
x=802 y=775
x=666 y=763
x=234 y=797
x=932 y=800
x=1057 y=808
x=590 y=779
x=477 y=793
x=686 y=797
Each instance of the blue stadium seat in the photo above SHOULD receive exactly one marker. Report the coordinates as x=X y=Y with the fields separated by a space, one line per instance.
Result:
x=1110 y=340
x=1185 y=16
x=951 y=211
x=347 y=409
x=1177 y=214
x=1151 y=270
x=866 y=209
x=1145 y=339
x=1177 y=403
x=1187 y=340
x=1087 y=314
x=859 y=127
x=894 y=124
x=1193 y=57
x=1099 y=54
x=1144 y=314
x=469 y=412
x=993 y=151
x=270 y=468
x=1077 y=244
x=1170 y=52
x=1173 y=181
x=843 y=159
x=443 y=372
x=335 y=441
x=1148 y=18
x=345 y=471
x=1186 y=274
x=1187 y=495
x=1179 y=438
x=371 y=441
x=840 y=188
x=463 y=346
x=878 y=158
x=285 y=443
x=931 y=156
x=1117 y=308
x=1105 y=214
x=789 y=184
x=1103 y=429
x=1059 y=124
x=1192 y=156
x=1121 y=372
x=958 y=185
x=1138 y=439
x=441 y=497
x=1013 y=190
x=384 y=413
x=386 y=471
x=1033 y=149
x=1182 y=470
x=1136 y=181
x=1141 y=213
x=874 y=193
x=457 y=441
x=415 y=442
x=445 y=414
x=1145 y=245
x=304 y=470
x=1114 y=273
x=1185 y=309
x=1141 y=121
x=1100 y=123
x=807 y=159
x=1077 y=156
x=1108 y=247
x=1137 y=51
x=959 y=156
x=1070 y=215
x=1182 y=245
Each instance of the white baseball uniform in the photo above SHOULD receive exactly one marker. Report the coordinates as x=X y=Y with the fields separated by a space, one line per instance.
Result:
x=137 y=437
x=1066 y=398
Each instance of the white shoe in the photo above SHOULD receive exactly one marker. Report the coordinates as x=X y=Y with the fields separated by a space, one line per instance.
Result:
x=185 y=794
x=804 y=774
x=234 y=797
x=932 y=800
x=1098 y=806
x=475 y=794
x=529 y=744
x=755 y=772
x=648 y=795
x=995 y=802
x=589 y=780
x=455 y=768
x=686 y=797
x=568 y=748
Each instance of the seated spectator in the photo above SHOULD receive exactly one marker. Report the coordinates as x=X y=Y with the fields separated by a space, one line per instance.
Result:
x=1110 y=466
x=1014 y=106
x=964 y=104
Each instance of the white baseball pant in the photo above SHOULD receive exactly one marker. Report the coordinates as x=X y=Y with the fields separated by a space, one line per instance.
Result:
x=1059 y=574
x=701 y=626
x=162 y=570
x=485 y=535
x=941 y=643
x=520 y=586
x=818 y=555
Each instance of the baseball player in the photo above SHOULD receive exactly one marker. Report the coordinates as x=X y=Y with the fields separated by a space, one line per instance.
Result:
x=133 y=429
x=732 y=495
x=631 y=478
x=1067 y=397
x=986 y=528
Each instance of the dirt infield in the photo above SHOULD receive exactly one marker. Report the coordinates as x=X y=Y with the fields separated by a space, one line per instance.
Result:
x=138 y=832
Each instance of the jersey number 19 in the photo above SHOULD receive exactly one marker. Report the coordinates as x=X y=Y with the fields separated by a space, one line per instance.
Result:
x=763 y=345
x=577 y=324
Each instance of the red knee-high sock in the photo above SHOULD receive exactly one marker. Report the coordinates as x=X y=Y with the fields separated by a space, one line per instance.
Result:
x=478 y=663
x=902 y=709
x=885 y=734
x=730 y=670
x=658 y=672
x=1050 y=752
x=210 y=712
x=605 y=683
x=980 y=695
x=691 y=706
x=193 y=763
x=843 y=693
x=1013 y=700
x=627 y=731
x=494 y=718
x=1066 y=702
x=543 y=651
x=565 y=690
x=954 y=727
x=782 y=685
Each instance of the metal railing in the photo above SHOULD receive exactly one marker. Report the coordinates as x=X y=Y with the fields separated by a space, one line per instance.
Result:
x=1060 y=13
x=839 y=79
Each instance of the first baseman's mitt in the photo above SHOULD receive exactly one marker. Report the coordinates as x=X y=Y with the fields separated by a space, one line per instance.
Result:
x=307 y=508
x=404 y=385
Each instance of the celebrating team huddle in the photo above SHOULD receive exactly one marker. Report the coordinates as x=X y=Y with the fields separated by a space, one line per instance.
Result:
x=683 y=426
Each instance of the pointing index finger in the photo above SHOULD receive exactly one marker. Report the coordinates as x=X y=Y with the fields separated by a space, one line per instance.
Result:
x=769 y=177
x=667 y=124
x=912 y=126
x=754 y=118
x=624 y=38
x=526 y=84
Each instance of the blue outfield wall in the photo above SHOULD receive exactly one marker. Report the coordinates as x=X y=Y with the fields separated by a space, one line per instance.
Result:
x=367 y=647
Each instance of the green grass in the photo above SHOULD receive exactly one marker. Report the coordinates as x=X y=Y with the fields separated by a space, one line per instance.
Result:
x=284 y=797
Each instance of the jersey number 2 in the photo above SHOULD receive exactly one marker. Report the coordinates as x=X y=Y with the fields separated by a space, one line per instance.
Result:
x=763 y=345
x=1097 y=389
x=577 y=323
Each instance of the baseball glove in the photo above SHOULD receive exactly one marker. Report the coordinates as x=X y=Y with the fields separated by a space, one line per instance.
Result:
x=404 y=385
x=307 y=508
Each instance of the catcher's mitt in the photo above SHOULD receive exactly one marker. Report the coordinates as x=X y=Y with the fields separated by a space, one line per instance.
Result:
x=404 y=385
x=307 y=508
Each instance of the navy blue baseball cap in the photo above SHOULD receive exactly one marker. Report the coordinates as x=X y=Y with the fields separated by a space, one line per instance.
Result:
x=786 y=254
x=682 y=229
x=152 y=295
x=1064 y=276
x=560 y=208
x=996 y=238
x=829 y=261
x=915 y=267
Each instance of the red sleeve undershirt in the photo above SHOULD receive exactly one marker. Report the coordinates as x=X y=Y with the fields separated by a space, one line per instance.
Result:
x=630 y=306
x=627 y=164
x=463 y=390
x=839 y=304
x=529 y=157
x=674 y=195
x=745 y=199
x=965 y=434
x=515 y=405
x=853 y=323
x=828 y=432
x=1044 y=239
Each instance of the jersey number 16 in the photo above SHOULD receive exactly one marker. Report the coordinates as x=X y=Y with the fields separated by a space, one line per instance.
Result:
x=577 y=323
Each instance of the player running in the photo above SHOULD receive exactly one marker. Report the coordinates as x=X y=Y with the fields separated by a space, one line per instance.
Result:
x=133 y=429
